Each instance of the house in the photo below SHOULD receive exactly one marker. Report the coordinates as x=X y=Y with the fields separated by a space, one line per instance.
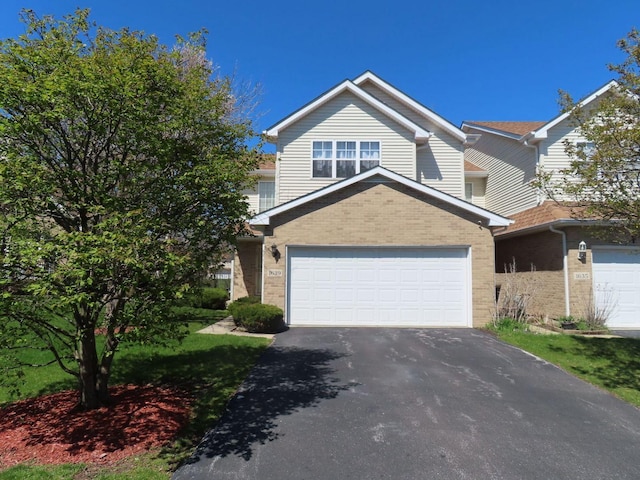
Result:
x=378 y=211
x=604 y=274
x=373 y=220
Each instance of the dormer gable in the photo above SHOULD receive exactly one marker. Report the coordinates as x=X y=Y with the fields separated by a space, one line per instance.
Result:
x=421 y=135
x=409 y=102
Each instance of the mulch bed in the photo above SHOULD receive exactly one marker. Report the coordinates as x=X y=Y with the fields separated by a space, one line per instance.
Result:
x=47 y=430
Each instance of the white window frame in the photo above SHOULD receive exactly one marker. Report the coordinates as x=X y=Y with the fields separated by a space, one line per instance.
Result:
x=470 y=197
x=334 y=158
x=263 y=200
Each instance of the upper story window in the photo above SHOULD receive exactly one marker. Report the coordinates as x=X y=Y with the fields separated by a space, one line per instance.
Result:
x=468 y=192
x=266 y=195
x=344 y=158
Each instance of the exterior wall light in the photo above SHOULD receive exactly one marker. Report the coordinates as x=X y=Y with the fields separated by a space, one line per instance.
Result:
x=275 y=253
x=582 y=251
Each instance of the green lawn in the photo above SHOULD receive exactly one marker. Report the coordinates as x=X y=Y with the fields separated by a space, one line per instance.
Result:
x=212 y=366
x=610 y=363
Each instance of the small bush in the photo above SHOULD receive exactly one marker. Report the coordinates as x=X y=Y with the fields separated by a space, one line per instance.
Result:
x=207 y=297
x=508 y=324
x=233 y=306
x=259 y=318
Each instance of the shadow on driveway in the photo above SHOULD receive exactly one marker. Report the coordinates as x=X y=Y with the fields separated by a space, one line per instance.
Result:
x=284 y=380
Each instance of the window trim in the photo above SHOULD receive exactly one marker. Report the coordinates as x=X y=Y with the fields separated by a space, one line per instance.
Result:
x=470 y=184
x=260 y=182
x=334 y=158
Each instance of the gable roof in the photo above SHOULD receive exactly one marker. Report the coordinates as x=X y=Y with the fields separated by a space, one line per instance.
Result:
x=533 y=132
x=492 y=219
x=541 y=133
x=472 y=170
x=510 y=129
x=420 y=134
x=405 y=99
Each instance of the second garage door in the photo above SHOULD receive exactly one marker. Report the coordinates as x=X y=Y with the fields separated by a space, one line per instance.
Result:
x=616 y=279
x=373 y=286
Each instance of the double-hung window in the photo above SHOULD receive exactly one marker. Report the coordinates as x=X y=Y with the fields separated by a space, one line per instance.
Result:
x=344 y=158
x=266 y=195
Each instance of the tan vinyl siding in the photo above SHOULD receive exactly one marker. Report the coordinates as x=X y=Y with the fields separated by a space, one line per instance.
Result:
x=553 y=157
x=440 y=164
x=252 y=199
x=511 y=167
x=345 y=117
x=252 y=195
x=479 y=189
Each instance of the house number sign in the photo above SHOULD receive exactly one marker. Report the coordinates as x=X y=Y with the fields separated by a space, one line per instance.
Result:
x=274 y=273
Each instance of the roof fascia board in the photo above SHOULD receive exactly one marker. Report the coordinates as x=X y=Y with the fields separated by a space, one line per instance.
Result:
x=476 y=174
x=420 y=133
x=483 y=128
x=493 y=220
x=555 y=223
x=410 y=102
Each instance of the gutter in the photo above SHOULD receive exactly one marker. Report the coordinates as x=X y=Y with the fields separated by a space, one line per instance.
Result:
x=565 y=268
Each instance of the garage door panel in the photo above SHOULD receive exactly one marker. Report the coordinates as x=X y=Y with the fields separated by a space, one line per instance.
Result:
x=616 y=279
x=378 y=286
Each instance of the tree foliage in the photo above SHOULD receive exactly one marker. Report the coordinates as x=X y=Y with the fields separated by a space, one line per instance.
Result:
x=122 y=165
x=603 y=179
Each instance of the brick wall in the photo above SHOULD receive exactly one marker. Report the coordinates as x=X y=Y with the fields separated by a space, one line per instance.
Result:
x=246 y=269
x=383 y=214
x=543 y=250
x=539 y=267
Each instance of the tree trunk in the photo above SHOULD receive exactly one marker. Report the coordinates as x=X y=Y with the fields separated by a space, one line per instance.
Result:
x=113 y=309
x=105 y=366
x=88 y=366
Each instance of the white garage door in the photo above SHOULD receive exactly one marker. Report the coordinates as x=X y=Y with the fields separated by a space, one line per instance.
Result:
x=616 y=279
x=369 y=286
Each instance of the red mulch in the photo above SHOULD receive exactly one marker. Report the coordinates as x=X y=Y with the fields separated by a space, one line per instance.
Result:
x=47 y=430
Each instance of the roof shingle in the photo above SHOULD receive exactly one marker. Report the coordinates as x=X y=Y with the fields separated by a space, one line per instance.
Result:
x=516 y=128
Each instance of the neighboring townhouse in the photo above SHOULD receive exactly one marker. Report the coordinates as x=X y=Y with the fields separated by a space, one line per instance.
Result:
x=377 y=218
x=573 y=268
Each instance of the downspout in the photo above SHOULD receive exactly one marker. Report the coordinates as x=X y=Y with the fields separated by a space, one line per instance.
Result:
x=565 y=268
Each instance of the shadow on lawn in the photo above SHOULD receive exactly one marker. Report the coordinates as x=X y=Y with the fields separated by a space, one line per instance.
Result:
x=622 y=357
x=283 y=381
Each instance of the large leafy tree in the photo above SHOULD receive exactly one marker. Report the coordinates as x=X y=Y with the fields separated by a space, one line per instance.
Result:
x=603 y=179
x=122 y=165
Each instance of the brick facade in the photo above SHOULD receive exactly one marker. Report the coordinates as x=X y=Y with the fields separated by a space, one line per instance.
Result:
x=246 y=269
x=543 y=251
x=389 y=214
x=539 y=265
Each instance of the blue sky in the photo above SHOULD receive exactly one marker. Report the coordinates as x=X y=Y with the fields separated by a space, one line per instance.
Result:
x=466 y=60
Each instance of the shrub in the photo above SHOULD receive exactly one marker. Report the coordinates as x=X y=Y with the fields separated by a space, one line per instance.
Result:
x=233 y=306
x=508 y=324
x=207 y=297
x=517 y=294
x=259 y=318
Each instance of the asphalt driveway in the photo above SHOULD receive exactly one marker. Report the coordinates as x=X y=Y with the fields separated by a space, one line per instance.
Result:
x=415 y=404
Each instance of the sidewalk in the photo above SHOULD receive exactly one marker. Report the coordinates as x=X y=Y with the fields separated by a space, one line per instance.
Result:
x=227 y=327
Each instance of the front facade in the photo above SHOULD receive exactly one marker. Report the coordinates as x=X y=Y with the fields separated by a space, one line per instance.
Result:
x=377 y=211
x=376 y=218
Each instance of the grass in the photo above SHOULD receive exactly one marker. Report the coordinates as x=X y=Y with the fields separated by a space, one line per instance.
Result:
x=212 y=366
x=610 y=363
